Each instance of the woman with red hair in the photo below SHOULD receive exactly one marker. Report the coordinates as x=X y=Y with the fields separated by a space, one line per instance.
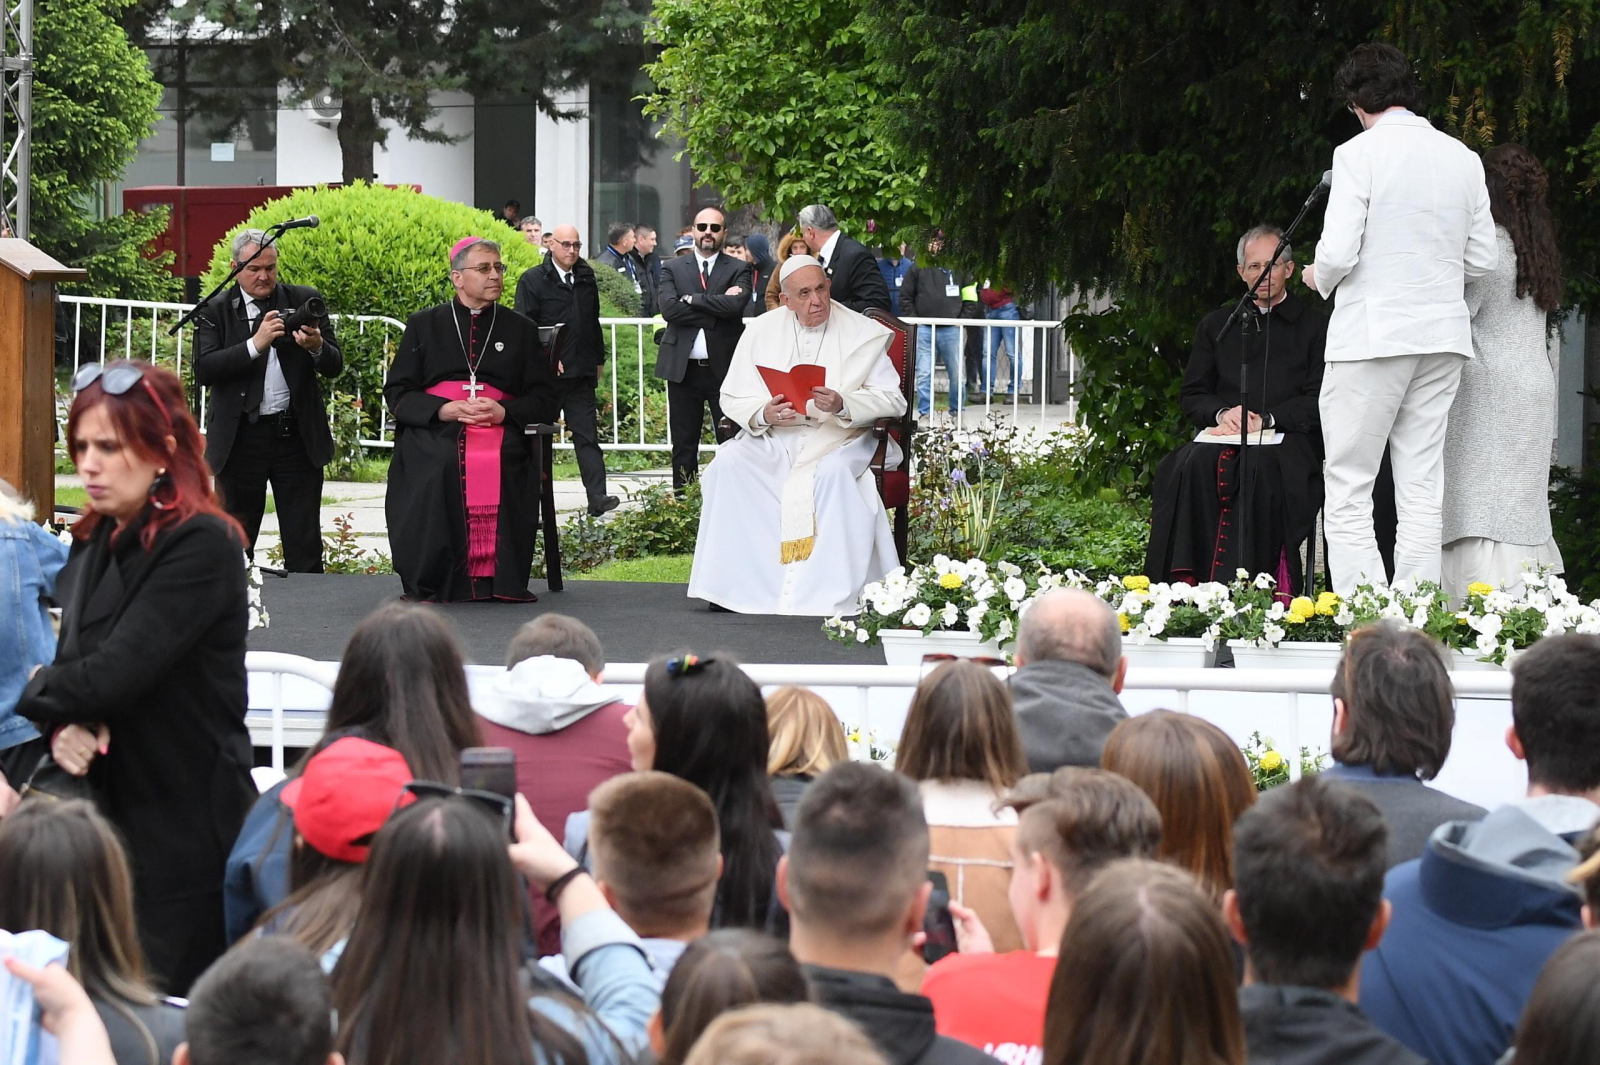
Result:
x=147 y=691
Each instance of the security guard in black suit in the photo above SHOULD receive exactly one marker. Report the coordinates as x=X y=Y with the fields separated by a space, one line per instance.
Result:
x=266 y=422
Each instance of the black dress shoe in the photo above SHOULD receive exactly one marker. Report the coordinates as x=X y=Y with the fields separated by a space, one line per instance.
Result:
x=718 y=608
x=602 y=505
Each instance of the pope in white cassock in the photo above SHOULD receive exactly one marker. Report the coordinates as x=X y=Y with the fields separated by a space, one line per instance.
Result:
x=791 y=521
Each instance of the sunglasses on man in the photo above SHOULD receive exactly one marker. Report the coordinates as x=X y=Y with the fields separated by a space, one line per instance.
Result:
x=715 y=227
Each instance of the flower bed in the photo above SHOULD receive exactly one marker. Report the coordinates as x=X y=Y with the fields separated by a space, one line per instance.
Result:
x=946 y=596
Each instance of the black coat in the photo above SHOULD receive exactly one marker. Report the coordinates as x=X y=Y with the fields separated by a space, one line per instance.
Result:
x=152 y=645
x=1303 y=1026
x=708 y=308
x=543 y=297
x=223 y=364
x=922 y=293
x=900 y=1025
x=857 y=281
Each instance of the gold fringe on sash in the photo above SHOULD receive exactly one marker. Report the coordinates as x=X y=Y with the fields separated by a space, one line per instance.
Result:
x=796 y=550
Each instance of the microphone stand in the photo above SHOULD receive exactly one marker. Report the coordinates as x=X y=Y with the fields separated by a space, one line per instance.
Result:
x=1243 y=312
x=194 y=312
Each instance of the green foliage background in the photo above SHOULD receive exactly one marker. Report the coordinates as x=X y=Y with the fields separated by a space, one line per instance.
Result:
x=780 y=103
x=93 y=101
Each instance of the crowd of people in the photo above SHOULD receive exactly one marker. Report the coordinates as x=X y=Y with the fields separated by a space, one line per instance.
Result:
x=707 y=876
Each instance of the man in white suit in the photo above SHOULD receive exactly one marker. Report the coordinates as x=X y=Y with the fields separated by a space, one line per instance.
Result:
x=1407 y=224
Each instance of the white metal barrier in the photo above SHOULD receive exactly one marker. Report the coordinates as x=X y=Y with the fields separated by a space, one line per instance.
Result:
x=101 y=328
x=1238 y=700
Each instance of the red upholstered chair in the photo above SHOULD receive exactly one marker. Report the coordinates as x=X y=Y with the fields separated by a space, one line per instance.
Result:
x=894 y=486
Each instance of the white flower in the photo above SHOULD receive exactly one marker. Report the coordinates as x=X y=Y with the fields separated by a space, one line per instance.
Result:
x=1273 y=633
x=1008 y=569
x=918 y=616
x=1487 y=645
x=1265 y=582
x=984 y=591
x=1345 y=617
x=1498 y=602
x=975 y=616
x=1403 y=586
x=1241 y=574
x=1015 y=588
x=1489 y=625
x=1393 y=610
x=942 y=564
x=1132 y=604
x=1419 y=617
x=255 y=619
x=862 y=636
x=1155 y=619
x=1003 y=633
x=949 y=616
x=977 y=567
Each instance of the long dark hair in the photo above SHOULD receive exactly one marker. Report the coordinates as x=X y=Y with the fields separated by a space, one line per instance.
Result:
x=402 y=683
x=1519 y=192
x=710 y=724
x=431 y=970
x=723 y=971
x=144 y=416
x=1145 y=975
x=961 y=727
x=324 y=898
x=63 y=870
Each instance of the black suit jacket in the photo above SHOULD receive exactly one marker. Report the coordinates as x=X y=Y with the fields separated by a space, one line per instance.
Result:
x=153 y=644
x=542 y=297
x=720 y=315
x=223 y=364
x=857 y=281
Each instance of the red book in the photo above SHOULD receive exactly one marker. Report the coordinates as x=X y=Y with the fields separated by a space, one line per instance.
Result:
x=794 y=385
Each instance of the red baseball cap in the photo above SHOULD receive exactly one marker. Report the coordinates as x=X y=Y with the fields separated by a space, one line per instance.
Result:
x=346 y=793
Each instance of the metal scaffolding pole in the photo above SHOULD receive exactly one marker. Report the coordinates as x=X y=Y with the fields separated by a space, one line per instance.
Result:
x=16 y=114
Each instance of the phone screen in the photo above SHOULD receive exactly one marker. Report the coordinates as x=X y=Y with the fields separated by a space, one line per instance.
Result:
x=937 y=922
x=491 y=769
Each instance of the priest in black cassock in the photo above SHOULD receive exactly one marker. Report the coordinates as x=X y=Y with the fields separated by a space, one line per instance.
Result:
x=463 y=498
x=1199 y=513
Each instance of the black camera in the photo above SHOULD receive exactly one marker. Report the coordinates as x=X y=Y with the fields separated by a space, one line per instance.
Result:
x=311 y=312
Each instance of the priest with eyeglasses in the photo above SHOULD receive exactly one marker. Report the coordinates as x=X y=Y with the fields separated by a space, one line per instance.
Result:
x=463 y=495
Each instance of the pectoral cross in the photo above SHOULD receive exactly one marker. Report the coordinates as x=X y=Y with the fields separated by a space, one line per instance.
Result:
x=473 y=387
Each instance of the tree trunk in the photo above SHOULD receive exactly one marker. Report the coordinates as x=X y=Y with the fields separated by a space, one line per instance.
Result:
x=358 y=133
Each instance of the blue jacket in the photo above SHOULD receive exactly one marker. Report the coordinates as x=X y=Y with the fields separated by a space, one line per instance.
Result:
x=1475 y=919
x=257 y=874
x=894 y=273
x=30 y=558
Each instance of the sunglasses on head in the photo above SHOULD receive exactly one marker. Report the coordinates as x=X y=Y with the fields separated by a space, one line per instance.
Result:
x=116 y=380
x=933 y=661
x=715 y=227
x=492 y=803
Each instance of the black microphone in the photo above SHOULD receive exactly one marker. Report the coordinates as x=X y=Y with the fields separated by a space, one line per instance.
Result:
x=1322 y=188
x=303 y=223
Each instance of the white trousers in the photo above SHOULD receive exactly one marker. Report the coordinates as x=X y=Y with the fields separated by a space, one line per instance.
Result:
x=1403 y=401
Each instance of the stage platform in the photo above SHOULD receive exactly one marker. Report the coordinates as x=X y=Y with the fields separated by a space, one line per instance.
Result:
x=314 y=614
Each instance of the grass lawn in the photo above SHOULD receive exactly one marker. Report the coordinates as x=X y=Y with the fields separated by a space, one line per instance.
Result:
x=662 y=569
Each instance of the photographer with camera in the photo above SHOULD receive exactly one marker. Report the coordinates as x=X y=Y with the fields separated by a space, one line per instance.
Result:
x=259 y=347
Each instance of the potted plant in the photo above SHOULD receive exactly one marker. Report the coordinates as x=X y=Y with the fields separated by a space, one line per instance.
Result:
x=1167 y=625
x=1266 y=632
x=1498 y=625
x=947 y=607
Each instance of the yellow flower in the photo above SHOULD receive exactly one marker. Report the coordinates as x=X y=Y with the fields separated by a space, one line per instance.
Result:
x=950 y=580
x=1327 y=604
x=1479 y=588
x=1122 y=620
x=1292 y=618
x=855 y=736
x=1271 y=760
x=1136 y=584
x=1302 y=606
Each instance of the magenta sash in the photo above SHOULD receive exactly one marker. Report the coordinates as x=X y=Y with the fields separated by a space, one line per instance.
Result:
x=480 y=477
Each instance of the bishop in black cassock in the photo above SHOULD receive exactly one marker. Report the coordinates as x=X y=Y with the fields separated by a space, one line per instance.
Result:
x=463 y=495
x=1199 y=513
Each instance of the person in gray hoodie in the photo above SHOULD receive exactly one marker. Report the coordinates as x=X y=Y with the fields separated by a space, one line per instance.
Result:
x=1070 y=671
x=567 y=732
x=1487 y=904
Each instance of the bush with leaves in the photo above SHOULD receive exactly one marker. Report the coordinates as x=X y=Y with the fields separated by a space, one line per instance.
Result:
x=1574 y=503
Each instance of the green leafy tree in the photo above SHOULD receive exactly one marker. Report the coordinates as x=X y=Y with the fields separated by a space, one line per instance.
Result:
x=1122 y=147
x=779 y=103
x=384 y=60
x=93 y=102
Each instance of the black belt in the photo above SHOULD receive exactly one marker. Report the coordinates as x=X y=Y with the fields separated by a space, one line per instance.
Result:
x=283 y=421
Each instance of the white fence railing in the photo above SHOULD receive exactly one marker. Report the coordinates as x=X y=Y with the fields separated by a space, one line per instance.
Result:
x=289 y=697
x=1018 y=353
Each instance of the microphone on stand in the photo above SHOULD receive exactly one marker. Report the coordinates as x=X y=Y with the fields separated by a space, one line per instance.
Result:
x=311 y=222
x=1321 y=190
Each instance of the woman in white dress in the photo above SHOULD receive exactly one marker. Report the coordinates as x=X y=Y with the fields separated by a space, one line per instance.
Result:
x=1497 y=448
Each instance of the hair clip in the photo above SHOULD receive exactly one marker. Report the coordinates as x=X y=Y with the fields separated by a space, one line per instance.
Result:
x=682 y=667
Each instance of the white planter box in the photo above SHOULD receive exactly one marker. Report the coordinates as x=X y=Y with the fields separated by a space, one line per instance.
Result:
x=1290 y=654
x=1180 y=652
x=1465 y=661
x=905 y=647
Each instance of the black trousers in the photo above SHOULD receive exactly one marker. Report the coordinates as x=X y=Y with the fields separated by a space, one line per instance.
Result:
x=269 y=451
x=576 y=396
x=688 y=400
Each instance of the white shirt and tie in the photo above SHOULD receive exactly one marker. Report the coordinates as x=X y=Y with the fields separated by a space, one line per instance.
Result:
x=275 y=389
x=825 y=253
x=706 y=266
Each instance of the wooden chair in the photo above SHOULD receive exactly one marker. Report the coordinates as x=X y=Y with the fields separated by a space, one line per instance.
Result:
x=894 y=486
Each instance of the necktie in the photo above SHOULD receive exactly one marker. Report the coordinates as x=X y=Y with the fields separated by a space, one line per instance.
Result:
x=258 y=379
x=705 y=273
x=566 y=279
x=822 y=260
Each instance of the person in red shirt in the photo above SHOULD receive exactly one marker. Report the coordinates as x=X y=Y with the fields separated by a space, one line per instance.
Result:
x=567 y=732
x=1070 y=824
